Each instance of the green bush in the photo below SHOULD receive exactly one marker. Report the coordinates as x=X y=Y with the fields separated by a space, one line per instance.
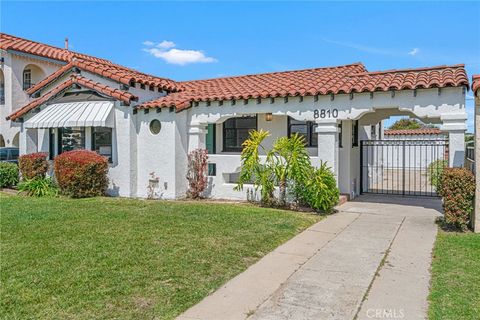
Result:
x=39 y=187
x=33 y=165
x=319 y=191
x=8 y=174
x=435 y=171
x=458 y=191
x=287 y=165
x=81 y=173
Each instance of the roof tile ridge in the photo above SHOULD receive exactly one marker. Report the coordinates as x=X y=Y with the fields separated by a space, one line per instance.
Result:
x=406 y=70
x=275 y=72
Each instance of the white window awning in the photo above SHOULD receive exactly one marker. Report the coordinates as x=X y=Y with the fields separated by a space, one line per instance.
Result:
x=74 y=114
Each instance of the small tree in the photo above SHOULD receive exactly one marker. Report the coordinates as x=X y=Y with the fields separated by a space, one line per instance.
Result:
x=406 y=124
x=197 y=173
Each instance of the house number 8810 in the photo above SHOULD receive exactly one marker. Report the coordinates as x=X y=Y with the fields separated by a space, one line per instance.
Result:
x=325 y=113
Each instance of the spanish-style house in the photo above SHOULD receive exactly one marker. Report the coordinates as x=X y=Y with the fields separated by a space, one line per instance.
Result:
x=56 y=100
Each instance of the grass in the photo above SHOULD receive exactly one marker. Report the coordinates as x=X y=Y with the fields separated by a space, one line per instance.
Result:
x=107 y=258
x=455 y=287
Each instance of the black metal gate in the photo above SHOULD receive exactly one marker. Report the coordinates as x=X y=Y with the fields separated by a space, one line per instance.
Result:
x=402 y=167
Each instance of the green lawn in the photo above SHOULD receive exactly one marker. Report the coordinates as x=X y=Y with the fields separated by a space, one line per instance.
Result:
x=455 y=291
x=108 y=258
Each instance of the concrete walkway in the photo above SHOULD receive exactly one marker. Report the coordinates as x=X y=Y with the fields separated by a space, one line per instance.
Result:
x=368 y=261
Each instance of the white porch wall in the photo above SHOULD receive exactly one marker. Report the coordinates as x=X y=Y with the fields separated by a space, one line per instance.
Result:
x=164 y=154
x=123 y=169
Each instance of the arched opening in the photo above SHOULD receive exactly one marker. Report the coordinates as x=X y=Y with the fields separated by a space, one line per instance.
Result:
x=2 y=87
x=16 y=140
x=2 y=141
x=32 y=74
x=406 y=155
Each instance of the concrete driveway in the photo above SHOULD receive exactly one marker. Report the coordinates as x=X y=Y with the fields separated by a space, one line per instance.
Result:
x=370 y=260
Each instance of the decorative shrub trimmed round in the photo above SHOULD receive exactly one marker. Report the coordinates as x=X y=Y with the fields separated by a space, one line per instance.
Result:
x=81 y=173
x=8 y=174
x=155 y=126
x=33 y=165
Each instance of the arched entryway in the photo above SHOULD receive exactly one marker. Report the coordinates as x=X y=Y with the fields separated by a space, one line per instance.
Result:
x=16 y=140
x=402 y=161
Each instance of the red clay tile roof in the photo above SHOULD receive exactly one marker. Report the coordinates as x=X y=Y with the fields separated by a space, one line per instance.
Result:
x=320 y=81
x=413 y=131
x=93 y=64
x=475 y=83
x=118 y=94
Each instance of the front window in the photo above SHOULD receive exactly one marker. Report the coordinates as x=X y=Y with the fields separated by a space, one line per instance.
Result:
x=305 y=129
x=27 y=79
x=71 y=139
x=2 y=93
x=102 y=141
x=236 y=131
x=355 y=133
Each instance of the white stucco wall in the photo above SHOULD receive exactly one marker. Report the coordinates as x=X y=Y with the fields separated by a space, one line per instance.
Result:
x=15 y=96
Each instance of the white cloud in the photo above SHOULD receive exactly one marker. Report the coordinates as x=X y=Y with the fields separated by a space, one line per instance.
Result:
x=165 y=50
x=148 y=43
x=166 y=44
x=414 y=51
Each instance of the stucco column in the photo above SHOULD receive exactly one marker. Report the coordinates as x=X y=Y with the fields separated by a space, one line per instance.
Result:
x=28 y=140
x=196 y=136
x=455 y=125
x=327 y=130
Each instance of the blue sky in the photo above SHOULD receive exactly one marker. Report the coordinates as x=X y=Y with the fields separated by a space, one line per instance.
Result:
x=193 y=40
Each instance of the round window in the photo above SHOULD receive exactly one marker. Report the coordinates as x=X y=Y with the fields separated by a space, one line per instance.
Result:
x=155 y=126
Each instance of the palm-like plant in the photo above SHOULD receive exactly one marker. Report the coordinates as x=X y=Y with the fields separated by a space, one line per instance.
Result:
x=291 y=162
x=253 y=170
x=287 y=160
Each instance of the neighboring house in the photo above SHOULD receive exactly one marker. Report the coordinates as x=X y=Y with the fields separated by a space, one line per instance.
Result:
x=476 y=94
x=147 y=124
x=416 y=155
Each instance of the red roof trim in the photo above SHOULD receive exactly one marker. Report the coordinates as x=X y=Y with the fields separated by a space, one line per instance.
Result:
x=475 y=83
x=81 y=81
x=93 y=64
x=422 y=131
x=321 y=81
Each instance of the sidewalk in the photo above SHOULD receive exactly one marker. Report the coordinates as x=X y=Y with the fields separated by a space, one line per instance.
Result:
x=326 y=271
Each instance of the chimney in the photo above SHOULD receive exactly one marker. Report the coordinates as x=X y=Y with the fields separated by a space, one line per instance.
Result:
x=66 y=43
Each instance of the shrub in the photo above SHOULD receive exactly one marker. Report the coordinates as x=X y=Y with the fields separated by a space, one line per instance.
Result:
x=38 y=187
x=81 y=173
x=435 y=171
x=288 y=166
x=197 y=173
x=8 y=174
x=458 y=191
x=33 y=165
x=319 y=191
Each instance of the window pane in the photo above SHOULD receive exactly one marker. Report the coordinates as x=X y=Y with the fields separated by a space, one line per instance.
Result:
x=72 y=139
x=102 y=141
x=236 y=131
x=314 y=136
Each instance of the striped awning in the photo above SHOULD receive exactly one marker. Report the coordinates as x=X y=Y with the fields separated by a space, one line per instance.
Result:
x=74 y=114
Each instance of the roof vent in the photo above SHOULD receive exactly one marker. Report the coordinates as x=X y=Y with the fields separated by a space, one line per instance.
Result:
x=66 y=43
